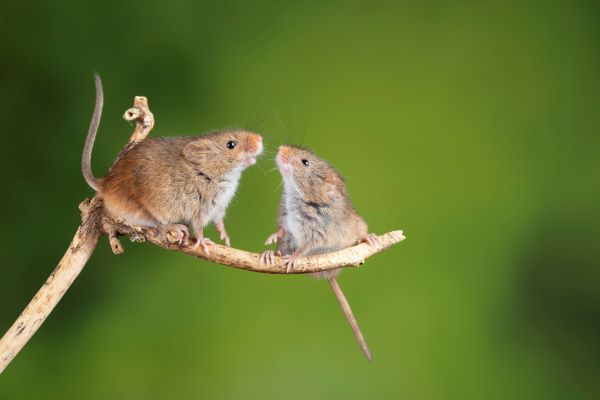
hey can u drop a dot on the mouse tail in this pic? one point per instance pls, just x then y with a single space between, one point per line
86 159
337 290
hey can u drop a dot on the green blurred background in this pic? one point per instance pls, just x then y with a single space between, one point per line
474 127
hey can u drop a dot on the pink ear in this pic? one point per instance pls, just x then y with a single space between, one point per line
197 150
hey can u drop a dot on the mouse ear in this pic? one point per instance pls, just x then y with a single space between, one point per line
197 151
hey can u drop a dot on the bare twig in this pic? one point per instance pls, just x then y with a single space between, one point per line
95 222
144 119
51 292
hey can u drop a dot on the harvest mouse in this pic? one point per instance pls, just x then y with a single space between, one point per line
315 217
173 182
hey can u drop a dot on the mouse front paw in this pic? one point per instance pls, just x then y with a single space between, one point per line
223 233
225 238
274 237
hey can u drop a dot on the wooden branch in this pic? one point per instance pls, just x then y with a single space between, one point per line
350 257
95 222
51 292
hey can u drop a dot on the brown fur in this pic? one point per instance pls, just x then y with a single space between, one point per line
173 182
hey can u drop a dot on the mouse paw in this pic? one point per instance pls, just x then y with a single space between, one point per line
267 257
225 238
289 261
223 233
177 233
204 242
371 239
272 238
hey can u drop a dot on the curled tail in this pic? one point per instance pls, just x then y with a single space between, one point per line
337 290
86 159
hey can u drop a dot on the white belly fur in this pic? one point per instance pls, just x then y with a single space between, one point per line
223 197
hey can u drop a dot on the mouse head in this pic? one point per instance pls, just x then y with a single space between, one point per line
305 171
224 152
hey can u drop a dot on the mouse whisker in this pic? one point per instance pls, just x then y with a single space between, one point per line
278 186
264 173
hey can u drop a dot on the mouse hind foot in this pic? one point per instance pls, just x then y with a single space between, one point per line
371 239
268 257
176 233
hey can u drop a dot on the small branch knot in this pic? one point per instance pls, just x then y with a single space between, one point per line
140 113
132 114
115 244
137 237
84 206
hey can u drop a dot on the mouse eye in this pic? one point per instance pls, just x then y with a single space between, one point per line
305 162
231 144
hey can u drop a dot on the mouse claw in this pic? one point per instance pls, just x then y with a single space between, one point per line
272 238
371 239
204 242
267 257
289 262
289 267
223 233
224 237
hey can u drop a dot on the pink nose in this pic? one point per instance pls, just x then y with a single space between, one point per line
284 153
255 142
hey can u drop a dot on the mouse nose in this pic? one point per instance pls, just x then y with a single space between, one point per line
284 153
255 143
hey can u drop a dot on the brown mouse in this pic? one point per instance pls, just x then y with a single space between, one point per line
173 182
315 217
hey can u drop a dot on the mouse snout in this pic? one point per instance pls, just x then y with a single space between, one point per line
284 161
255 143
284 154
253 148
